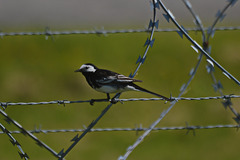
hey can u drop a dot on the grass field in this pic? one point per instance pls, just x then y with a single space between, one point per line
35 69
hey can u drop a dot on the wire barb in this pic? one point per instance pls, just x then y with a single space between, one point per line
4 105
25 132
14 142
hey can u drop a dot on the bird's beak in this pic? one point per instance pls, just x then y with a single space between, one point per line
78 70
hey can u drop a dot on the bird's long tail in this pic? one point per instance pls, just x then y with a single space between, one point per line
138 88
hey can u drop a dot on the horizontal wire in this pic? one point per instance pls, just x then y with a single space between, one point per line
6 104
104 32
126 129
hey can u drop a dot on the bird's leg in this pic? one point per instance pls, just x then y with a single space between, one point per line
108 96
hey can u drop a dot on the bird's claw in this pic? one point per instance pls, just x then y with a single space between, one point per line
171 98
92 102
113 101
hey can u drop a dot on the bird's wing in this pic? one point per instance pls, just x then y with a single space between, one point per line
106 76
122 78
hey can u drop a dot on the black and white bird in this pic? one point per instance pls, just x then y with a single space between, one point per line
111 82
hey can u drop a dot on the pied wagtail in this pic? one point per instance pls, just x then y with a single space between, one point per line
110 82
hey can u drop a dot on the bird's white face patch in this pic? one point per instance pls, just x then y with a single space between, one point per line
87 68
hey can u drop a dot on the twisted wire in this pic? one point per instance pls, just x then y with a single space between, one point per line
64 102
108 32
14 142
45 131
25 132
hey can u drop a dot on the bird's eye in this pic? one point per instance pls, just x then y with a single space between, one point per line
87 67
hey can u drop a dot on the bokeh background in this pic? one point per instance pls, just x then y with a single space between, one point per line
35 69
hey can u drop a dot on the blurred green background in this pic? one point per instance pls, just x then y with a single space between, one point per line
35 69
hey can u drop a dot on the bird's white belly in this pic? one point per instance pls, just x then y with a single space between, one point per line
111 89
107 89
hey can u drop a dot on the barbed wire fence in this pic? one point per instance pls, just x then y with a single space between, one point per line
203 50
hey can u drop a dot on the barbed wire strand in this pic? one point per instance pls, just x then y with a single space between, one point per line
210 68
219 16
217 84
107 32
140 61
182 32
77 138
14 142
25 132
47 131
4 105
197 19
163 114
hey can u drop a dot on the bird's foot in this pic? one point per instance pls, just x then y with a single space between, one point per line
171 98
113 101
92 102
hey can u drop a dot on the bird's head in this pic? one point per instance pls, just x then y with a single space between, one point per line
87 68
